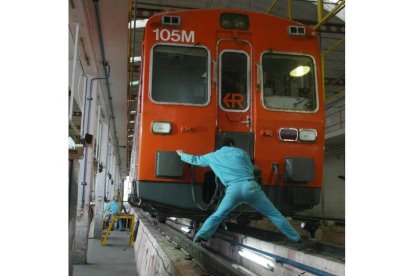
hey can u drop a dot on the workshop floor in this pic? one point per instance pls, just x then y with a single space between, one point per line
115 258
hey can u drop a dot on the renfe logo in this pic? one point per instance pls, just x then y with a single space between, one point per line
174 35
232 100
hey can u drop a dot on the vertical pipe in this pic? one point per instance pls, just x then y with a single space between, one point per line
115 171
320 10
106 68
121 195
109 167
290 9
72 84
107 154
132 65
85 164
98 135
84 106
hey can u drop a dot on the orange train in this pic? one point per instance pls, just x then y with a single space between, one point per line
208 74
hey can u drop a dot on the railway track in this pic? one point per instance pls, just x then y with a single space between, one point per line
213 262
207 261
313 246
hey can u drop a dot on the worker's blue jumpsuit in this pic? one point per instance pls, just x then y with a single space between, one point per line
235 170
113 209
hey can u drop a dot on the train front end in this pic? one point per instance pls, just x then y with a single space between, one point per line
209 74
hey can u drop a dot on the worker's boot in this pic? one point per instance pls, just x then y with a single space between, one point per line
302 244
198 240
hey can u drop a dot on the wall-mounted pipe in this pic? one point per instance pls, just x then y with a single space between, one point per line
106 65
75 54
85 163
131 75
108 153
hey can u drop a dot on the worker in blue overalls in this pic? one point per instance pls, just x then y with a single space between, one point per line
235 170
111 210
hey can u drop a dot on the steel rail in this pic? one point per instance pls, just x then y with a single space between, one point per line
278 259
323 248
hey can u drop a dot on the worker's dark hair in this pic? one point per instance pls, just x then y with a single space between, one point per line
226 142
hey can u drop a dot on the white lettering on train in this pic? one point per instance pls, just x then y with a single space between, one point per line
174 35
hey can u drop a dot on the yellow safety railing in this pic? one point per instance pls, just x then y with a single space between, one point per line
322 19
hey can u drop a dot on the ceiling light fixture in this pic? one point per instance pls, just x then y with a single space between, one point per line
135 59
300 71
139 23
185 229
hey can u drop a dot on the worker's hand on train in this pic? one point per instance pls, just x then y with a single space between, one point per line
180 152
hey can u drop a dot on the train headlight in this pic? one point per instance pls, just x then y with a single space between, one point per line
161 127
288 134
307 135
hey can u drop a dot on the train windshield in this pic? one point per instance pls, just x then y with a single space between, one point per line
180 75
288 82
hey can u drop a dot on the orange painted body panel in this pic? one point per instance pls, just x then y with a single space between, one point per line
194 127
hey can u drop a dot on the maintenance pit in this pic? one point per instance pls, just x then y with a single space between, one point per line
165 249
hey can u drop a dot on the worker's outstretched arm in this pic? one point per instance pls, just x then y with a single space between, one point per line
201 160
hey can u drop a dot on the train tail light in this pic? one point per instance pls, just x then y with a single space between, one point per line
288 134
307 135
161 127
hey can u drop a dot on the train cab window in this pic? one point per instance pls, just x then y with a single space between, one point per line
234 81
288 82
180 75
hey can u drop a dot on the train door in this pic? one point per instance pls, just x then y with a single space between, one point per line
234 101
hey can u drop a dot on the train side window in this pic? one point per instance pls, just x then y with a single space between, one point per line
289 82
180 75
234 81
